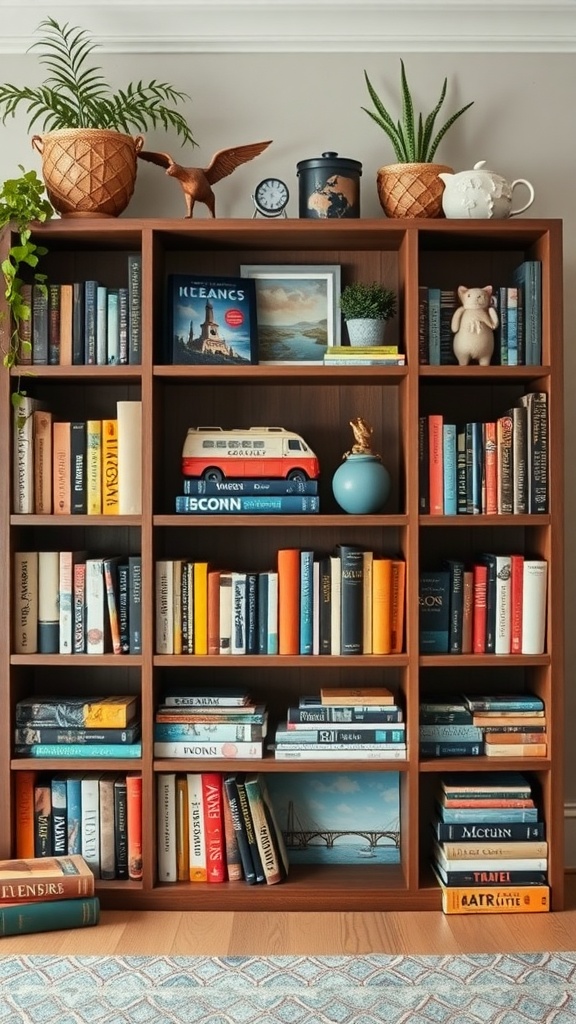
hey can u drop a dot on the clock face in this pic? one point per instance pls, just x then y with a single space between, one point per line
271 196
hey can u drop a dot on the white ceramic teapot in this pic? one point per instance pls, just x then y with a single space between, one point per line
481 194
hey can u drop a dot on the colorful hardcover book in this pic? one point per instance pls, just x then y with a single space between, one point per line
40 327
423 466
450 480
528 278
269 838
121 826
110 485
434 612
234 870
519 416
288 601
42 448
124 606
106 812
48 602
504 702
479 816
306 602
94 467
134 825
97 618
257 504
23 455
80 750
512 332
122 326
346 715
231 796
82 712
25 328
78 488
180 732
112 327
352 599
182 830
78 314
382 606
215 841
436 464
73 814
24 785
249 749
250 486
129 419
29 734
505 474
25 602
534 591
42 818
537 450
244 807
166 826
110 570
495 900
455 569
61 465
393 752
90 294
196 837
135 603
212 321
59 844
53 915
490 503
393 734
101 325
90 821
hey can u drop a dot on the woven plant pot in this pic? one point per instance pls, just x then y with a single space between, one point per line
411 190
88 172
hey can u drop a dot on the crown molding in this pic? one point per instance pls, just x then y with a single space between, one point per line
307 26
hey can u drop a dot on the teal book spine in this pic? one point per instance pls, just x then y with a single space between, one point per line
89 750
49 916
306 601
257 504
450 471
434 326
73 815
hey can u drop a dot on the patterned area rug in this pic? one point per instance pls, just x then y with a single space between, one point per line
536 988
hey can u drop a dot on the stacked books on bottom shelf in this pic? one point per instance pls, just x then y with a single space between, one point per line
215 722
42 895
343 725
489 851
217 828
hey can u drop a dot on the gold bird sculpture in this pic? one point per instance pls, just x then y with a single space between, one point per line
196 182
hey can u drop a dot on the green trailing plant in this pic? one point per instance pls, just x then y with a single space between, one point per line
76 95
412 143
367 301
22 201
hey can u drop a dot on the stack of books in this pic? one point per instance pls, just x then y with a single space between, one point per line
217 828
46 894
86 727
364 724
499 725
364 355
209 722
248 496
489 851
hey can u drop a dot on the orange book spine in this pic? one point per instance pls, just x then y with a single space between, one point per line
66 295
200 607
480 580
42 434
495 900
382 606
516 750
516 596
110 499
61 457
491 468
214 611
289 601
24 804
134 825
513 737
436 464
398 589
488 802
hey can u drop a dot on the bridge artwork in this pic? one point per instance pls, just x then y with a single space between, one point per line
300 837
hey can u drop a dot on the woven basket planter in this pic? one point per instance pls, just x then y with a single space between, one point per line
88 172
411 190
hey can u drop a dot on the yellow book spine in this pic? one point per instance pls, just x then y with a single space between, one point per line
110 499
526 899
200 607
381 606
94 466
182 830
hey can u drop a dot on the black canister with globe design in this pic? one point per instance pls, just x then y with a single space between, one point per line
329 186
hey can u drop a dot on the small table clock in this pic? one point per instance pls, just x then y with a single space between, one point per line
270 198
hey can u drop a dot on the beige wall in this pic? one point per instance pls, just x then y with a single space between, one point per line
522 124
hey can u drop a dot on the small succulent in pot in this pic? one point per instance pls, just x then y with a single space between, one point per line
360 301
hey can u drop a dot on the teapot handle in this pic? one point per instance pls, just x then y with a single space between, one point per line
522 181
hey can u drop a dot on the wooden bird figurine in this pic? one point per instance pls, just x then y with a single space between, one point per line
196 182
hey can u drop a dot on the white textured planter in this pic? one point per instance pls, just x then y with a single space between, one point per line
366 332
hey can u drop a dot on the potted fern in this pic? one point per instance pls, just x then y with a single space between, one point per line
366 308
88 154
411 187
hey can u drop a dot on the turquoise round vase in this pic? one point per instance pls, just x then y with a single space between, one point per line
361 484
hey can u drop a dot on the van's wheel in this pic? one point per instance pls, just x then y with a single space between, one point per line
214 474
297 474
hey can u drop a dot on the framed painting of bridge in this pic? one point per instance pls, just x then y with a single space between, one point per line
338 817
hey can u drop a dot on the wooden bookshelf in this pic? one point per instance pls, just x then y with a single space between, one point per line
318 403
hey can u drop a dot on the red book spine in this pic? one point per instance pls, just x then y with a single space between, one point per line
134 825
289 601
516 588
214 826
480 579
436 468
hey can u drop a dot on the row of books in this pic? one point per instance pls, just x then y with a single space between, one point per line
518 336
83 467
40 894
489 852
371 727
216 828
84 322
211 722
359 355
96 815
500 725
496 606
66 602
496 467
349 602
81 727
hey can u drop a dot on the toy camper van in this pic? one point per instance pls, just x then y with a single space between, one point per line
213 453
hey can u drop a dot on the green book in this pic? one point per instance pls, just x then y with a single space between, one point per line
49 916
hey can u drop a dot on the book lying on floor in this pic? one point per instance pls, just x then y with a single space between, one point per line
25 880
54 915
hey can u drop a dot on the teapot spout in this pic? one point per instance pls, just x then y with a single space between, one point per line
445 177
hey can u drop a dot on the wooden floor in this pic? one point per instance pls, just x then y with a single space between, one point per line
237 934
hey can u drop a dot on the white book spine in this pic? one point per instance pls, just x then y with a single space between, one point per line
196 831
48 601
129 416
166 807
96 610
316 607
503 633
509 864
225 611
343 755
534 591
164 607
90 803
238 643
25 602
23 463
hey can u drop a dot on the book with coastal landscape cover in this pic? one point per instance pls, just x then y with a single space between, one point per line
211 320
338 817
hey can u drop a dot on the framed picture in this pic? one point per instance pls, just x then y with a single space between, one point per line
297 310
